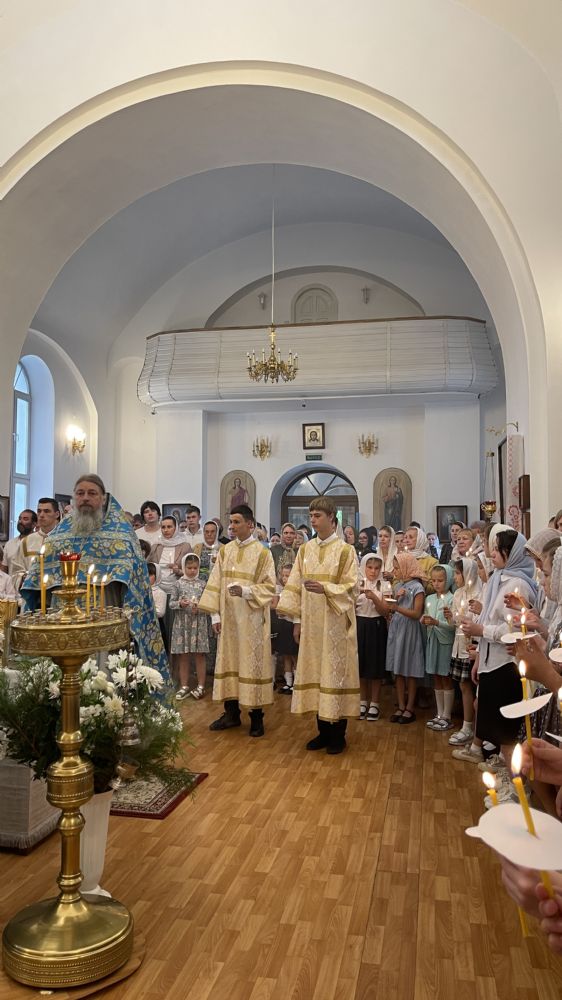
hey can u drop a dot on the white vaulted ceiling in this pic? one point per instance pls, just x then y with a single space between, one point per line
118 268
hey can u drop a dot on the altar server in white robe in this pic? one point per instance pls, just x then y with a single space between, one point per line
320 599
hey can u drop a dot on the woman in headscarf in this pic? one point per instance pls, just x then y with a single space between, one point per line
367 541
208 549
469 588
404 651
497 676
417 544
387 550
167 555
350 536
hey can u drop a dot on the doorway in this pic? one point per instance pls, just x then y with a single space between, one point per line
306 486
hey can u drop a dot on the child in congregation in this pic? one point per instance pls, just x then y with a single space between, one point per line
190 630
469 590
370 611
283 643
440 635
404 650
159 597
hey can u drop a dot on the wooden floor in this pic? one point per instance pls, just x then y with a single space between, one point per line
296 876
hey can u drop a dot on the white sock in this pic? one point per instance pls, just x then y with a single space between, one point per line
475 749
467 727
288 675
448 699
440 702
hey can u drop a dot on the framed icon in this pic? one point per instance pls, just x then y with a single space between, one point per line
313 436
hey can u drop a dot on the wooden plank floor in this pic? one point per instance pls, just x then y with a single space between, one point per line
296 876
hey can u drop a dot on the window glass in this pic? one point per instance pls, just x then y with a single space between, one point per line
20 381
22 437
21 499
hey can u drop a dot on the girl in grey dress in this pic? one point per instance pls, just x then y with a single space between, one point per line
190 630
404 651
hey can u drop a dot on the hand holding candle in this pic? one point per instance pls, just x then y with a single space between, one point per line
490 783
518 785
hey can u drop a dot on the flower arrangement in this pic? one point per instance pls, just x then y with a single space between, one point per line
30 709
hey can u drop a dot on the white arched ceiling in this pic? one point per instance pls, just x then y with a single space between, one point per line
109 164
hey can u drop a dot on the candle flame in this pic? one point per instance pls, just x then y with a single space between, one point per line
522 669
523 618
560 694
45 578
42 550
95 580
91 569
509 618
516 760
489 780
104 578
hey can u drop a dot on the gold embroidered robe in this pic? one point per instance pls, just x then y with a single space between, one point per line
244 664
327 677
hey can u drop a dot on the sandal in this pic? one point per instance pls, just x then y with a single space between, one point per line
373 713
198 692
183 693
363 710
397 715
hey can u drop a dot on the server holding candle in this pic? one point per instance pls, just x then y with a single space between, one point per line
494 669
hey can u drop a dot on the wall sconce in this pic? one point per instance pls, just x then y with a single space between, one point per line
262 299
498 433
366 293
76 439
368 445
261 448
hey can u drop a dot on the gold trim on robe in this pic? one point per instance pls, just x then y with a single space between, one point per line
327 676
244 663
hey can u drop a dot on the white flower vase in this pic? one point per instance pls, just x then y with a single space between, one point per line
93 842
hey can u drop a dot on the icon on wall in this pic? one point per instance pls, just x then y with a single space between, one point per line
236 487
392 499
313 436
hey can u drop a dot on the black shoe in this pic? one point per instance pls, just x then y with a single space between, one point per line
256 722
319 742
226 721
336 737
405 720
286 689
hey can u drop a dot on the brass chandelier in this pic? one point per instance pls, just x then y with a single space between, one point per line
272 368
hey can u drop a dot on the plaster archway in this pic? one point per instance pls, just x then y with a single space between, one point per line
289 476
288 111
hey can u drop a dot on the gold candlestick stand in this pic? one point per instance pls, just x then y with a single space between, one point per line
68 940
8 611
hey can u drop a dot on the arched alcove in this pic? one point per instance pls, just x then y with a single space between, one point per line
314 304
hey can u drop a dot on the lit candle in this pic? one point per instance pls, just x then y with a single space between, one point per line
102 592
44 581
523 625
516 592
560 699
510 622
94 581
490 782
41 562
518 785
91 568
525 686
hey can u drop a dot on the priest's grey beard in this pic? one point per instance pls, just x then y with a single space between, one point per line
85 521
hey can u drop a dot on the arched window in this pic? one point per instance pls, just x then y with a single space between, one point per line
21 450
303 489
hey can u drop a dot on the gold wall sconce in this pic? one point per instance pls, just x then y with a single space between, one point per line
368 445
261 448
76 439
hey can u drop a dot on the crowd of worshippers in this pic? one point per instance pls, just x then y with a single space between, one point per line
335 616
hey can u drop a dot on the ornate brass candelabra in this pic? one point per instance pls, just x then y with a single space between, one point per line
68 940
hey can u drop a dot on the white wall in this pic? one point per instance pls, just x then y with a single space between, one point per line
384 301
437 444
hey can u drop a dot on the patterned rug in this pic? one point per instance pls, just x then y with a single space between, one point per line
151 799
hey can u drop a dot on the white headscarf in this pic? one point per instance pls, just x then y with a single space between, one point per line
190 555
178 538
387 561
422 544
363 566
495 531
